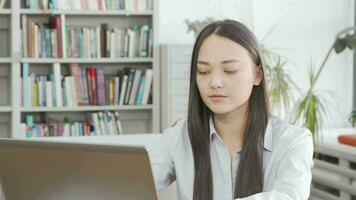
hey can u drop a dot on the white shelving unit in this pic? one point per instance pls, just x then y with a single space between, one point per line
142 119
89 12
5 71
87 60
85 108
5 109
5 11
175 75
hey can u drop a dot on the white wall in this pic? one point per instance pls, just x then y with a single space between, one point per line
305 31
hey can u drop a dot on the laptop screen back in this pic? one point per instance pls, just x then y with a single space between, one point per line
50 170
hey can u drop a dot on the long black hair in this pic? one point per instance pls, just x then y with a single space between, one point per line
250 171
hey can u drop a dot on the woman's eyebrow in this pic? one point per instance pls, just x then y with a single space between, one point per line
222 62
230 61
202 62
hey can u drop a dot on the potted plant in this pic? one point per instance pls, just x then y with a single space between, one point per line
310 109
197 25
280 84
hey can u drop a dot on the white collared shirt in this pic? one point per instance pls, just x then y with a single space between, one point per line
287 162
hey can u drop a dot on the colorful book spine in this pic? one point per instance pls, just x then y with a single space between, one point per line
25 78
141 90
101 86
57 83
148 83
29 124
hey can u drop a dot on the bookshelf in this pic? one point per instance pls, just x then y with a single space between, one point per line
5 71
5 107
134 118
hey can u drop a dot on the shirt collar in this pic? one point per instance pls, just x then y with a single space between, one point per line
268 134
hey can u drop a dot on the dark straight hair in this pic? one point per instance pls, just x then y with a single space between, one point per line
249 179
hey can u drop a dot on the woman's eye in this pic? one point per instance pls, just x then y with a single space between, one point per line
231 72
202 73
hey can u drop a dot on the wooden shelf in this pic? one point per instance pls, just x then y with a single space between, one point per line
87 12
5 60
5 11
5 109
86 108
87 60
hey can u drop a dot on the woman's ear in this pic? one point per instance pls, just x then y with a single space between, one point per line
258 75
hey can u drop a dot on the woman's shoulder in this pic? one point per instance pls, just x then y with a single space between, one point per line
178 127
286 134
177 132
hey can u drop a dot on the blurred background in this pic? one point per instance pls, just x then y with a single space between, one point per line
118 71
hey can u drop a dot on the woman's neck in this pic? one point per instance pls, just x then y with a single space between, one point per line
230 126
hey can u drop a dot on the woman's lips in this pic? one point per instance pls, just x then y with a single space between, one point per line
217 98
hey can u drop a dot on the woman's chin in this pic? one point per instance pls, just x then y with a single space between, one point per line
220 109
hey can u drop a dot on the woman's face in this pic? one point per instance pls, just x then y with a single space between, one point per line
225 75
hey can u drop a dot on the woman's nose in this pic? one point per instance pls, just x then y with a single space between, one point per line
216 82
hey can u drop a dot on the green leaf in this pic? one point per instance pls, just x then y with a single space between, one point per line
350 41
340 45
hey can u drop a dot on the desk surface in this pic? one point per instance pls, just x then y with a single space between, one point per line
130 139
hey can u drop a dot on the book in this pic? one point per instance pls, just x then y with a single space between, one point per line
94 85
57 25
141 90
29 125
118 123
75 72
110 123
84 82
148 83
73 90
57 82
94 5
95 122
31 86
83 86
123 89
131 73
26 88
68 90
144 40
101 86
135 85
116 90
41 39
24 34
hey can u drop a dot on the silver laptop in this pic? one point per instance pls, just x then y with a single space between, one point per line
43 170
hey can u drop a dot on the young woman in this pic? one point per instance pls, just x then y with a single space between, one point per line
230 147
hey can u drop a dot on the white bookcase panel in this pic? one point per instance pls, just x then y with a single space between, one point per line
139 119
175 65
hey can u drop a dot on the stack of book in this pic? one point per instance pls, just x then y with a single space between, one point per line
100 123
45 40
89 4
86 86
102 41
42 40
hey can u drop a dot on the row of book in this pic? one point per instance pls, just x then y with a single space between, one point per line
100 123
42 40
102 41
140 5
86 86
45 40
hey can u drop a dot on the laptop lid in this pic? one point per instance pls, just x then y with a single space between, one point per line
46 170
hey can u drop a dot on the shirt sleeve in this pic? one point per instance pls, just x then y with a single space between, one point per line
293 173
160 154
